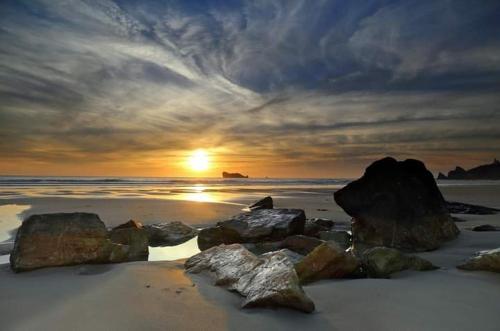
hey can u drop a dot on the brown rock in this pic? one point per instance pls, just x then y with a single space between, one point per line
301 244
134 235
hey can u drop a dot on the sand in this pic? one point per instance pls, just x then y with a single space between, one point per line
116 297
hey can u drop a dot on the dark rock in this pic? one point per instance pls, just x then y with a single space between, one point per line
268 281
266 203
441 176
263 247
134 235
341 237
485 227
51 240
255 226
169 234
488 171
314 226
381 262
485 260
328 260
397 204
301 244
465 208
292 256
233 175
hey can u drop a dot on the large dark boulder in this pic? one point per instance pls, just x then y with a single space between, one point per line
51 240
169 234
397 204
134 235
255 226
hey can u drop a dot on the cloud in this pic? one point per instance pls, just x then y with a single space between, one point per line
300 83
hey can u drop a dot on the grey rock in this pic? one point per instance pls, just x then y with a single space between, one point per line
341 237
397 204
263 247
485 260
134 235
169 234
255 226
292 256
314 226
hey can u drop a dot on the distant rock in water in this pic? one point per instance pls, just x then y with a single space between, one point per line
397 204
232 175
487 171
465 208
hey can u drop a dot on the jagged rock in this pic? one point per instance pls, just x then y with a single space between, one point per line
134 235
328 260
292 256
485 260
255 226
341 237
6 248
263 247
441 176
397 204
169 234
465 208
301 244
485 227
381 262
267 281
273 283
51 240
487 171
266 203
314 226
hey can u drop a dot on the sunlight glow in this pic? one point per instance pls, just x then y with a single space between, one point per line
199 160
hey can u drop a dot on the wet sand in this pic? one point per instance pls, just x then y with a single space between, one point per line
116 297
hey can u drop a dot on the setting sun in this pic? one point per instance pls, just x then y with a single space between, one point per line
199 160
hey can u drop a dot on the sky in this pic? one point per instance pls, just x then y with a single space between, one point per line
267 88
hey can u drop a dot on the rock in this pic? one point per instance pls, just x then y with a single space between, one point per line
274 283
465 208
341 237
232 175
267 281
51 240
6 248
169 234
397 204
255 226
485 227
314 226
441 176
301 244
381 262
227 262
328 260
487 171
292 256
134 235
263 247
485 260
266 203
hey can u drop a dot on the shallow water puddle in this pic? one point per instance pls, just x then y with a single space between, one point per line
170 253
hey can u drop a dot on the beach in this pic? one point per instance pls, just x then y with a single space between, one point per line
159 295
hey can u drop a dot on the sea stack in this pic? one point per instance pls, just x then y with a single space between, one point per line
397 204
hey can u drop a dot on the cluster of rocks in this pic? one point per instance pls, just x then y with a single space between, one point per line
62 239
485 171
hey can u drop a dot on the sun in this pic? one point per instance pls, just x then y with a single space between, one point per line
198 160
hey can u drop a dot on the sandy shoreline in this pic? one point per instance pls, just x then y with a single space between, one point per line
116 297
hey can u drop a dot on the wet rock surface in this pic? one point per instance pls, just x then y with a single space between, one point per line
485 261
266 203
134 235
328 260
381 262
50 240
397 204
301 244
314 226
169 233
255 226
266 281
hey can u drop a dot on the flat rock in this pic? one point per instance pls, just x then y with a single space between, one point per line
266 203
169 233
485 227
465 208
381 262
485 260
328 260
255 226
50 240
314 226
341 237
397 204
266 281
134 235
301 244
